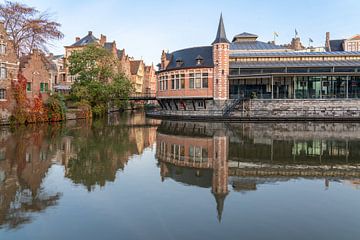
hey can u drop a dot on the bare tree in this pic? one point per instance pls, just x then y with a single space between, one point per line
28 28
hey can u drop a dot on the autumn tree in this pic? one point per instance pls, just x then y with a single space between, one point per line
98 79
28 28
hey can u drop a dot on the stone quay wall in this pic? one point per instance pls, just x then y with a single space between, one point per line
299 108
271 110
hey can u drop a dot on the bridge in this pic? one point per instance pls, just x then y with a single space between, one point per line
140 97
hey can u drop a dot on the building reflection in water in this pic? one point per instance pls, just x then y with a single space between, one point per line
246 155
91 153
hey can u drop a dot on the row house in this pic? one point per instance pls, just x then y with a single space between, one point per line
141 76
137 68
39 73
149 80
9 65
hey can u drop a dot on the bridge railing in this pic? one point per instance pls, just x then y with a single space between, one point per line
141 96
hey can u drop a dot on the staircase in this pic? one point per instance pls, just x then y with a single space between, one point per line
230 107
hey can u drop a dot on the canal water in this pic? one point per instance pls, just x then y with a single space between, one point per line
128 177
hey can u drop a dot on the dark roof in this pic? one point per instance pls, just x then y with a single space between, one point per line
134 66
244 35
344 63
336 45
120 53
189 55
253 45
221 34
88 39
292 53
108 45
190 176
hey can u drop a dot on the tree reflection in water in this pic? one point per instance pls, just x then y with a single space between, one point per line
90 151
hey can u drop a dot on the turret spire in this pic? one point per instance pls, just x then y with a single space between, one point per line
221 34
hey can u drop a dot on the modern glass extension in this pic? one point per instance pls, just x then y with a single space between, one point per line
321 83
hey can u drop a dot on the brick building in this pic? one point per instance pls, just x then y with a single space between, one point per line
211 78
149 80
195 154
351 44
9 65
137 69
133 69
39 74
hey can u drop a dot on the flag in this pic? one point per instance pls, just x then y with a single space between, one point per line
296 32
276 34
310 40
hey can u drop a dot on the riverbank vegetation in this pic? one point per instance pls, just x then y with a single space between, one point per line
99 80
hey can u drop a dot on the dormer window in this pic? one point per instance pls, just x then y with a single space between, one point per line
179 62
199 60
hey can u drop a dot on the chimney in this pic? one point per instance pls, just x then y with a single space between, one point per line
327 42
102 39
77 39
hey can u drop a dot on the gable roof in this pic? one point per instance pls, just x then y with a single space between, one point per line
108 45
244 35
355 37
24 60
336 45
134 66
88 39
120 53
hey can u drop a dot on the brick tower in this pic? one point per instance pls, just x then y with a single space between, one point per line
221 47
220 172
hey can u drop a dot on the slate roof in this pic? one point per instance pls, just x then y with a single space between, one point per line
188 175
293 53
253 45
245 35
120 53
336 45
108 45
189 55
345 63
88 39
221 34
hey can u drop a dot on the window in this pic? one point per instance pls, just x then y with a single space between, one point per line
178 81
28 86
182 81
205 83
2 94
2 48
42 87
198 80
191 80
46 87
2 71
172 81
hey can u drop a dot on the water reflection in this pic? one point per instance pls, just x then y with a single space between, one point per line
225 160
91 153
244 156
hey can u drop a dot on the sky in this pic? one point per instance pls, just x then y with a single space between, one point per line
145 28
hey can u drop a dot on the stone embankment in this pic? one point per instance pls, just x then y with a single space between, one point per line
274 110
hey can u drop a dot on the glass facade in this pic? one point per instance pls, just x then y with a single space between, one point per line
296 87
